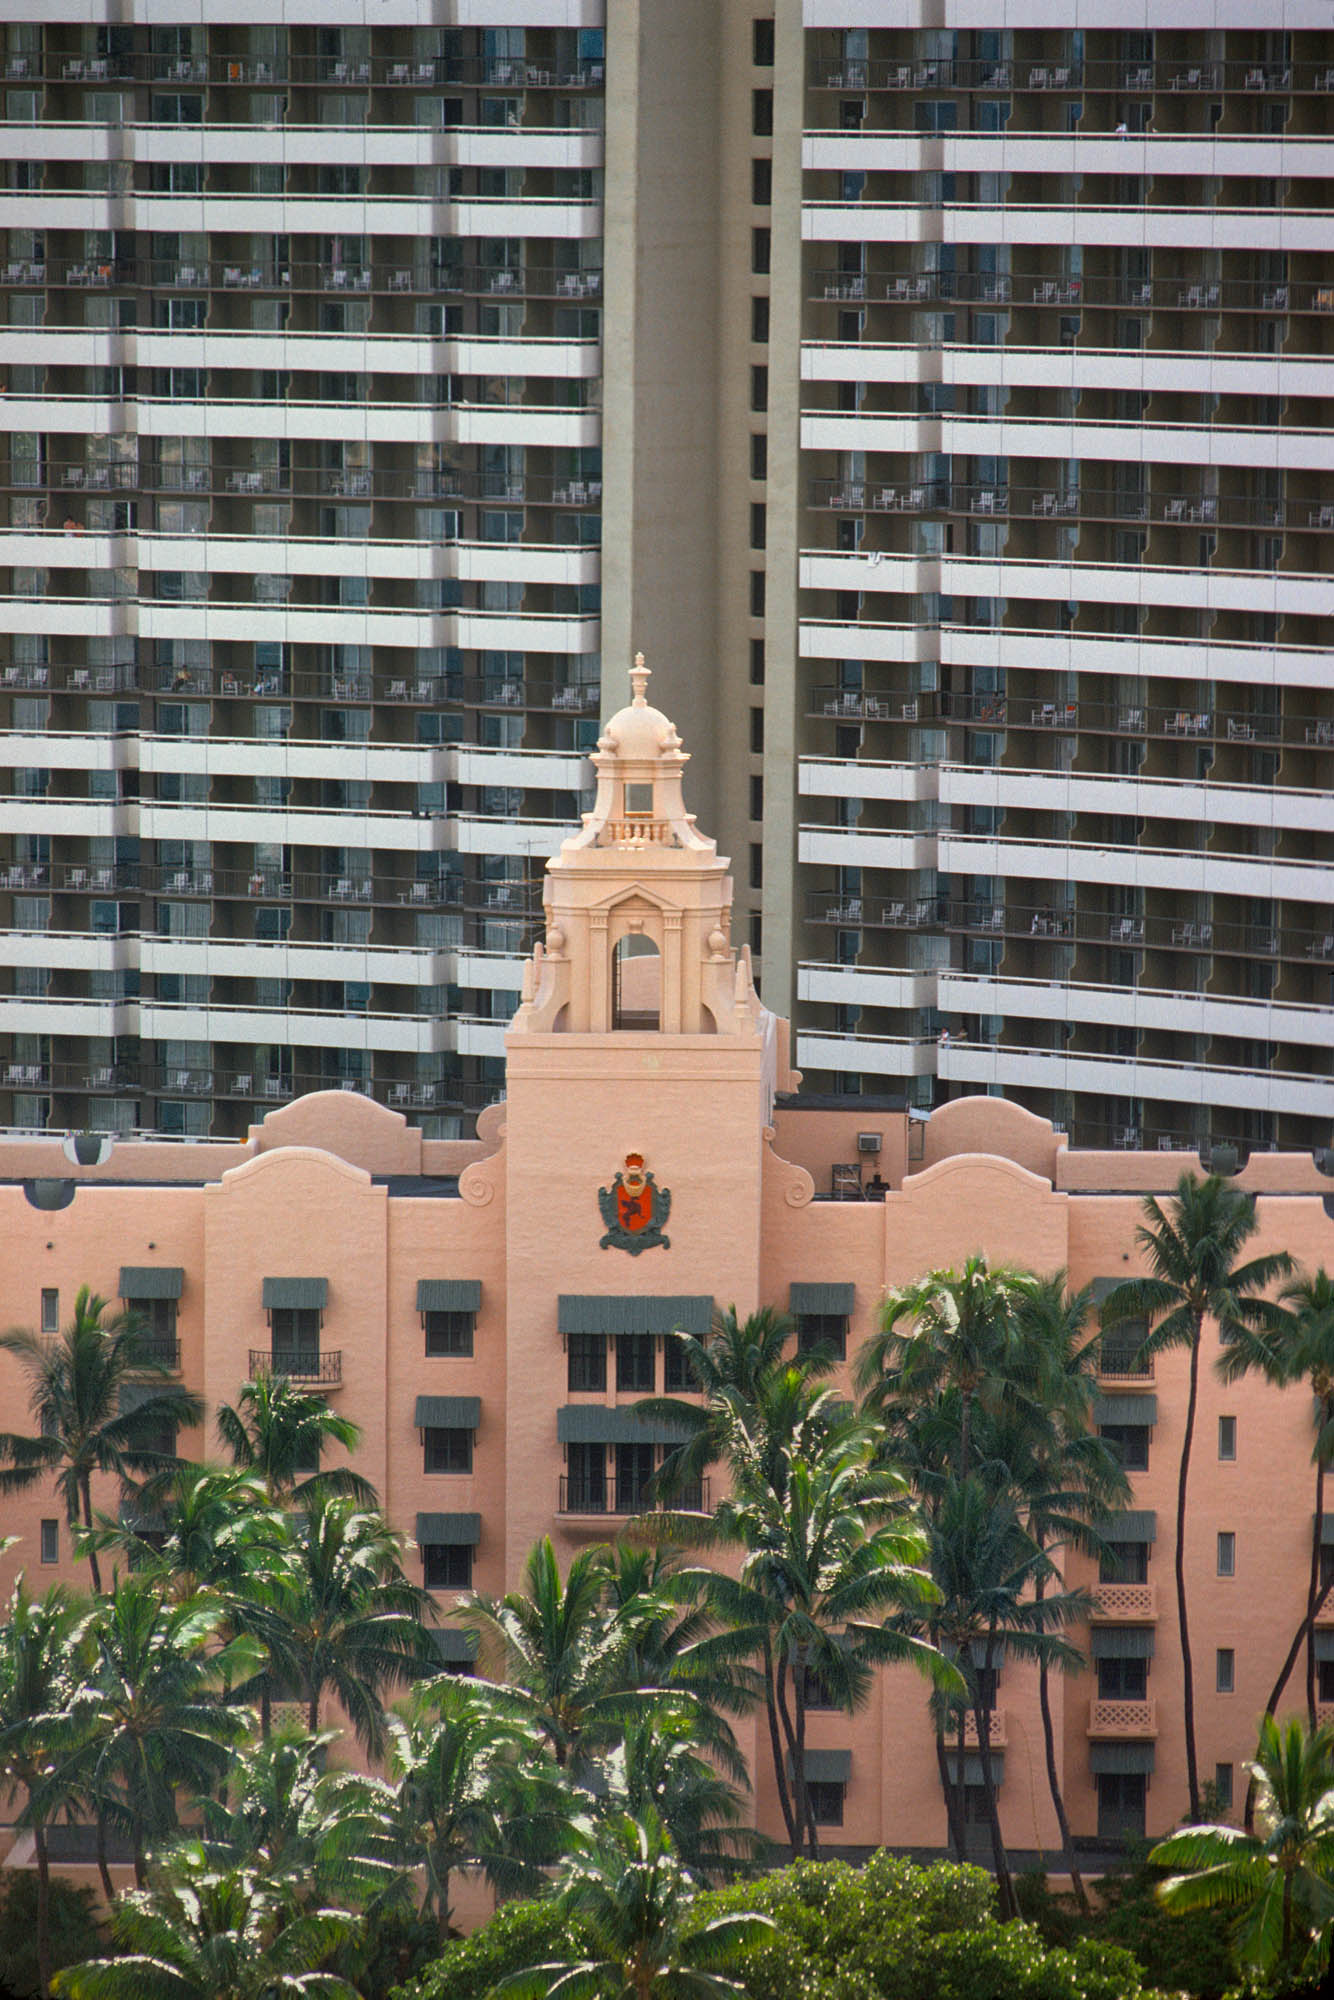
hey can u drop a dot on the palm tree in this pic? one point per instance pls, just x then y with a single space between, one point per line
1067 1477
734 1367
1278 1882
470 1792
1300 1349
657 1764
349 1622
75 1390
38 1658
278 1429
956 1330
565 1651
323 1836
146 1719
1192 1245
986 1568
831 1576
209 1934
633 1897
673 1643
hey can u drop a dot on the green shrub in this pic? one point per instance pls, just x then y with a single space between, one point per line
1188 1952
519 1934
75 1932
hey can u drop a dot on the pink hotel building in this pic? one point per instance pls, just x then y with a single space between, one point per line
489 1310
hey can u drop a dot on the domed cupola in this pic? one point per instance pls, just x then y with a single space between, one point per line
638 903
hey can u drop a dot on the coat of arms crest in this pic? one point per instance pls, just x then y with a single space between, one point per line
634 1209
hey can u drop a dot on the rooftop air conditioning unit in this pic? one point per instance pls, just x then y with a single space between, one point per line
868 1142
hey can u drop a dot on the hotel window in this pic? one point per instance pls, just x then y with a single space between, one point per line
447 1450
634 1363
1223 1786
50 1541
1225 1662
826 1330
825 1798
586 1479
1130 1443
449 1309
447 1565
50 1310
1227 1554
1124 1562
1227 1437
587 1362
1122 1797
1123 1680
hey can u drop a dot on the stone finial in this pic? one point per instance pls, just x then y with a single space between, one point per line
639 674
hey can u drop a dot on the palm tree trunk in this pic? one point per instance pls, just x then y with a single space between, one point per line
776 1747
798 1827
43 1907
313 1711
1053 1773
1004 1886
1276 1692
1183 1616
811 1831
1313 1583
86 1503
960 1786
953 1828
108 1886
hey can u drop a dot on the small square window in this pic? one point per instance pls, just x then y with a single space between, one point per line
1223 1786
826 1330
447 1450
50 1541
447 1565
639 799
1225 1662
50 1311
449 1332
1124 1562
825 1797
1130 1442
1227 1437
1227 1554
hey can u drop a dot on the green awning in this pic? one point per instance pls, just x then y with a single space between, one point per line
834 1300
830 1767
449 1295
972 1766
1124 1409
1120 1759
1137 1524
448 1413
452 1645
449 1528
151 1281
295 1294
595 1423
133 1395
612 1312
1121 1642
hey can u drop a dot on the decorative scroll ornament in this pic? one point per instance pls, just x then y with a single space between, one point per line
635 1209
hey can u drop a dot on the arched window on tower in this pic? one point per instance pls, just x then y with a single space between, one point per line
636 991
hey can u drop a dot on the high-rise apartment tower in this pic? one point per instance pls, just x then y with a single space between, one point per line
943 392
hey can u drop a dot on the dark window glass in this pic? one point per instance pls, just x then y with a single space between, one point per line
759 387
760 252
50 1541
757 593
828 1330
449 1332
296 1334
757 663
1124 1562
1326 1566
1324 1674
756 866
986 1682
1123 1680
762 51
1227 1437
762 113
587 1358
448 1451
757 798
634 1470
586 1480
447 1565
759 331
825 1797
1130 1442
1121 1802
634 1363
761 187
816 1690
676 1375
759 525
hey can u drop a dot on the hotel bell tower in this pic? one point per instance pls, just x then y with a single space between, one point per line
638 905
642 1070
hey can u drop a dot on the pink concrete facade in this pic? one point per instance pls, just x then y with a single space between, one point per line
506 1233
